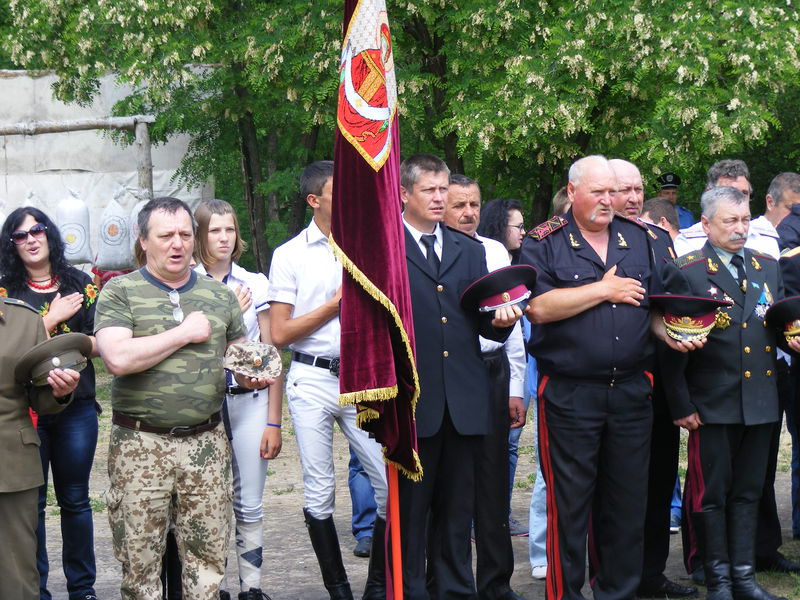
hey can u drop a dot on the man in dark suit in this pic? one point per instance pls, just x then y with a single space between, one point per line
453 408
725 394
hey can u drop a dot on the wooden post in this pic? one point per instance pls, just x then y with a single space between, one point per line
144 160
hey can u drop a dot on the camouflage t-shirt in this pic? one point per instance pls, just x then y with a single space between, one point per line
187 387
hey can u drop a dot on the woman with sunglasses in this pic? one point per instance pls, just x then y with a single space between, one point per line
35 270
254 417
502 220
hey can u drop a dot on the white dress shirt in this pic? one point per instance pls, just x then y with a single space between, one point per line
417 235
259 288
305 273
497 258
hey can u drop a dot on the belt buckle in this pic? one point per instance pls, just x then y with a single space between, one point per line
334 367
181 431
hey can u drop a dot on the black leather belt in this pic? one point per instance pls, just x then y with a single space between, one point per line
177 431
235 390
331 364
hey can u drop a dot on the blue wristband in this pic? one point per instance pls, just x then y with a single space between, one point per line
278 425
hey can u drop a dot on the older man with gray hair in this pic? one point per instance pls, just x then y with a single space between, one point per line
725 394
595 273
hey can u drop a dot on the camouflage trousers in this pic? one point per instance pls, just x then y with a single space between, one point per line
157 477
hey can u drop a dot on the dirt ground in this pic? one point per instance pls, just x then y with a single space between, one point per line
290 567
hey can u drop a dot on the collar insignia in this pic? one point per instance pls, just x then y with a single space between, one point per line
573 242
652 235
712 266
621 241
755 263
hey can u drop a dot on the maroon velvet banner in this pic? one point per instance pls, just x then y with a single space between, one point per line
377 368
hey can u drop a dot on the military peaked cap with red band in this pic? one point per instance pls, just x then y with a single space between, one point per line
503 287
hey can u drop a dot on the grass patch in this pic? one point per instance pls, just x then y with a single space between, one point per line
282 491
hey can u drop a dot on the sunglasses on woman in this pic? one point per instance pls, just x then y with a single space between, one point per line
37 232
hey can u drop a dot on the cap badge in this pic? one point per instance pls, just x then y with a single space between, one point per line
257 362
506 297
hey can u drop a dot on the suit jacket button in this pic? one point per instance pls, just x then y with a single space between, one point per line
747 374
747 349
769 373
744 325
445 354
444 319
439 288
768 349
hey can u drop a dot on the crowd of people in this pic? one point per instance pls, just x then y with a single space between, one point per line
590 358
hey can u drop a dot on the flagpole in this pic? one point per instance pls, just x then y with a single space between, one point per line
394 509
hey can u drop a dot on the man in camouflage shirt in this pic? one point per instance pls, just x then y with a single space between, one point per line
162 331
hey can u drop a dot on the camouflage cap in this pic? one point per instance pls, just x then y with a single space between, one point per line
66 351
253 359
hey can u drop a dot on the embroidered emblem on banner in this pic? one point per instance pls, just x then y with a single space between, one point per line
367 88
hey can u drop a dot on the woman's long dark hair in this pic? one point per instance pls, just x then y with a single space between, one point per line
14 275
494 218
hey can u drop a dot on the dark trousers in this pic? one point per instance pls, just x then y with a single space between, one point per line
495 563
664 448
436 514
594 443
18 575
68 444
729 463
768 532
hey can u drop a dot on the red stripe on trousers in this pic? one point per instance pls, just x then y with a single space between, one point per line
694 490
555 575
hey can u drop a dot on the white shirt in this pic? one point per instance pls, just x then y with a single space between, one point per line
417 235
305 273
761 237
497 258
259 287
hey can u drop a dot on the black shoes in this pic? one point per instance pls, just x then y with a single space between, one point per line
667 589
363 547
777 563
253 594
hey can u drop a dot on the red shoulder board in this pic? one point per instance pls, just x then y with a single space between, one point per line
542 230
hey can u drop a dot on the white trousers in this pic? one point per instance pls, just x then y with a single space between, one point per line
313 397
247 414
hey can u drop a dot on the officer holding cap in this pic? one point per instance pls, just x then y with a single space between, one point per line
725 394
22 328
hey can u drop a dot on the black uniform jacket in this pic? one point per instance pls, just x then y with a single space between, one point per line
608 342
732 378
451 371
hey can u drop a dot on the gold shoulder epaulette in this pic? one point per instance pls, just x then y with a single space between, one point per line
16 302
689 259
790 252
542 230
